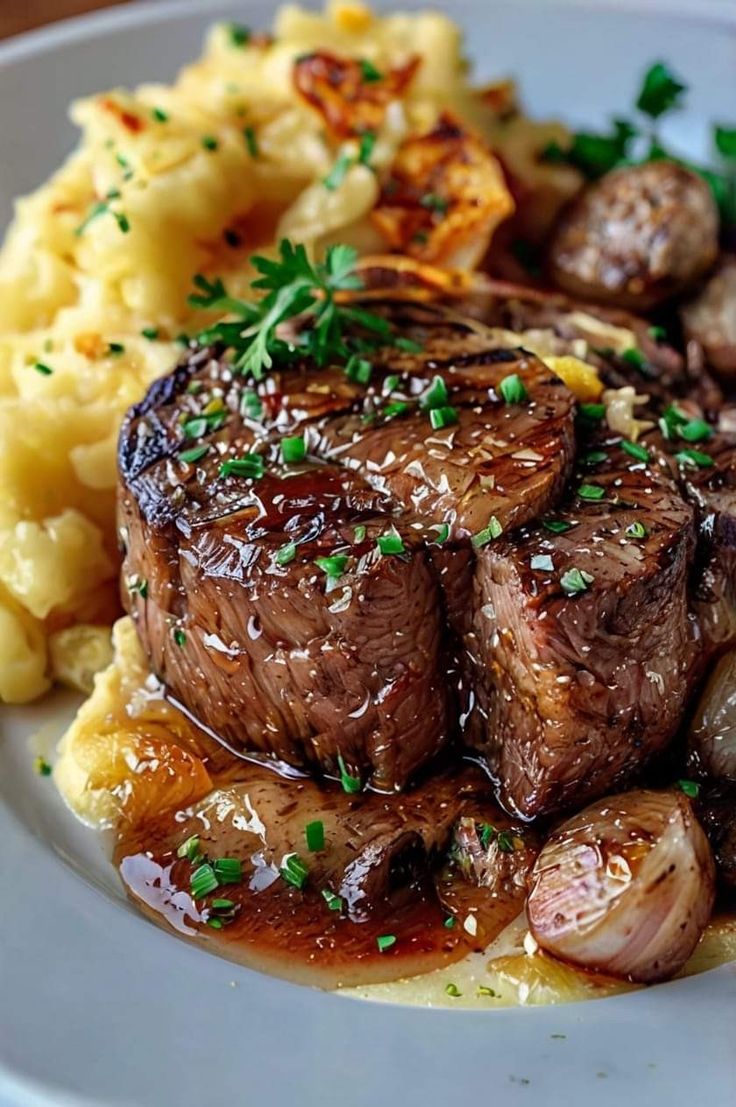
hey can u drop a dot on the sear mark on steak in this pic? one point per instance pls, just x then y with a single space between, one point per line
248 632
575 692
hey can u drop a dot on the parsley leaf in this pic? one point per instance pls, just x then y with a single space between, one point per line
660 92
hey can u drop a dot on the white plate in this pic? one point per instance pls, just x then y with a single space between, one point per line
98 1006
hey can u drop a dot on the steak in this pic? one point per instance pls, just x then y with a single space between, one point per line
300 613
581 647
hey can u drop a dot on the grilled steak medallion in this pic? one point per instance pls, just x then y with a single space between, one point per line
581 645
299 612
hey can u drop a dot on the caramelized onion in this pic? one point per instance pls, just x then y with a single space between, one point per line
625 887
713 732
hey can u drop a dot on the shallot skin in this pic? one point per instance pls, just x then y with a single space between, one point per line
625 887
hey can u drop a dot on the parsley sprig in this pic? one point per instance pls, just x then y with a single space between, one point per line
295 288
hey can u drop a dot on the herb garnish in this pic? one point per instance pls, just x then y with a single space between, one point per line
102 207
449 922
151 333
385 941
575 581
333 902
252 466
690 787
43 369
190 849
636 530
293 449
314 834
694 458
251 142
286 553
483 537
641 453
333 567
512 389
441 417
337 174
591 492
179 636
41 766
390 543
294 871
203 881
453 990
195 454
349 783
209 142
238 34
369 72
556 526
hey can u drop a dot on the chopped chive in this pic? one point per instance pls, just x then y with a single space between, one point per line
390 384
409 345
336 176
483 537
390 544
484 990
228 870
286 553
591 492
385 941
449 922
595 457
160 115
641 453
636 530
432 201
238 34
294 871
209 142
195 454
183 339
139 585
369 72
115 348
151 333
349 782
203 881
251 142
359 533
486 834
125 166
556 526
41 766
179 636
43 369
214 922
635 357
252 465
315 835
222 904
190 849
333 902
512 389
367 142
575 581
505 841
694 458
358 369
690 787
397 407
443 533
453 990
435 396
592 412
659 334
293 449
697 430
250 405
441 417
542 563
195 428
333 566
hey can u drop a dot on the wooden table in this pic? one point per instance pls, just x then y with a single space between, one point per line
22 15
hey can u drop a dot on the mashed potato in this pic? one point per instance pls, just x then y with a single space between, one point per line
168 181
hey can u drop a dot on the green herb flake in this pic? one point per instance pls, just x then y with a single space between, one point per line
449 922
443 533
441 417
505 841
160 115
115 349
43 369
659 334
333 902
542 563
179 636
484 990
390 544
452 990
591 492
359 533
694 458
190 849
228 870
635 357
365 148
690 787
209 142
592 413
194 428
151 333
337 174
593 458
251 142
293 449
725 141
203 881
696 430
314 834
385 941
358 369
556 526
294 871
286 553
432 201
368 71
408 344
333 567
41 766
634 449
660 92
435 396
575 581
251 466
195 454
636 530
350 784
512 389
392 410
250 405
238 34
215 923
483 537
